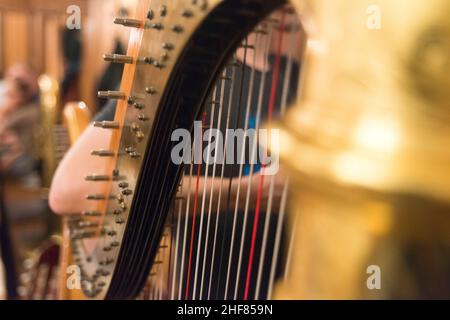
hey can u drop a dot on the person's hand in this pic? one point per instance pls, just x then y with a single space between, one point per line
270 189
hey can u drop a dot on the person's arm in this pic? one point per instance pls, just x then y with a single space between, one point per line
69 188
188 189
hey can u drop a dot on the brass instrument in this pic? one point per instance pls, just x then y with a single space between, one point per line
367 148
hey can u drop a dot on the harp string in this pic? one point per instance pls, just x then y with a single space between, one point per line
186 221
234 66
284 101
264 241
211 196
233 232
244 223
190 275
276 250
202 212
176 244
160 266
258 114
227 125
272 101
191 245
171 248
290 248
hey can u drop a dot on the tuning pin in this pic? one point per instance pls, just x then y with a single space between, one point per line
106 262
102 153
91 213
104 273
111 233
187 13
150 90
117 58
120 221
134 23
86 224
111 94
142 117
97 177
150 14
164 56
162 10
134 155
135 127
157 26
83 235
139 135
95 197
148 60
106 124
115 244
120 198
127 192
158 64
167 46
177 28
123 185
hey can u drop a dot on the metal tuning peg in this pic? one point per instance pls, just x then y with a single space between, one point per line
127 22
102 153
111 94
106 124
117 58
97 177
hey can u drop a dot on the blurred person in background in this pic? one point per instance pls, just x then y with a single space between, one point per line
19 121
19 124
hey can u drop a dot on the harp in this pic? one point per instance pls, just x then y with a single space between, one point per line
164 230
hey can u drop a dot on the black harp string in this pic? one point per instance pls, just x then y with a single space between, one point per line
165 250
177 239
186 223
171 248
